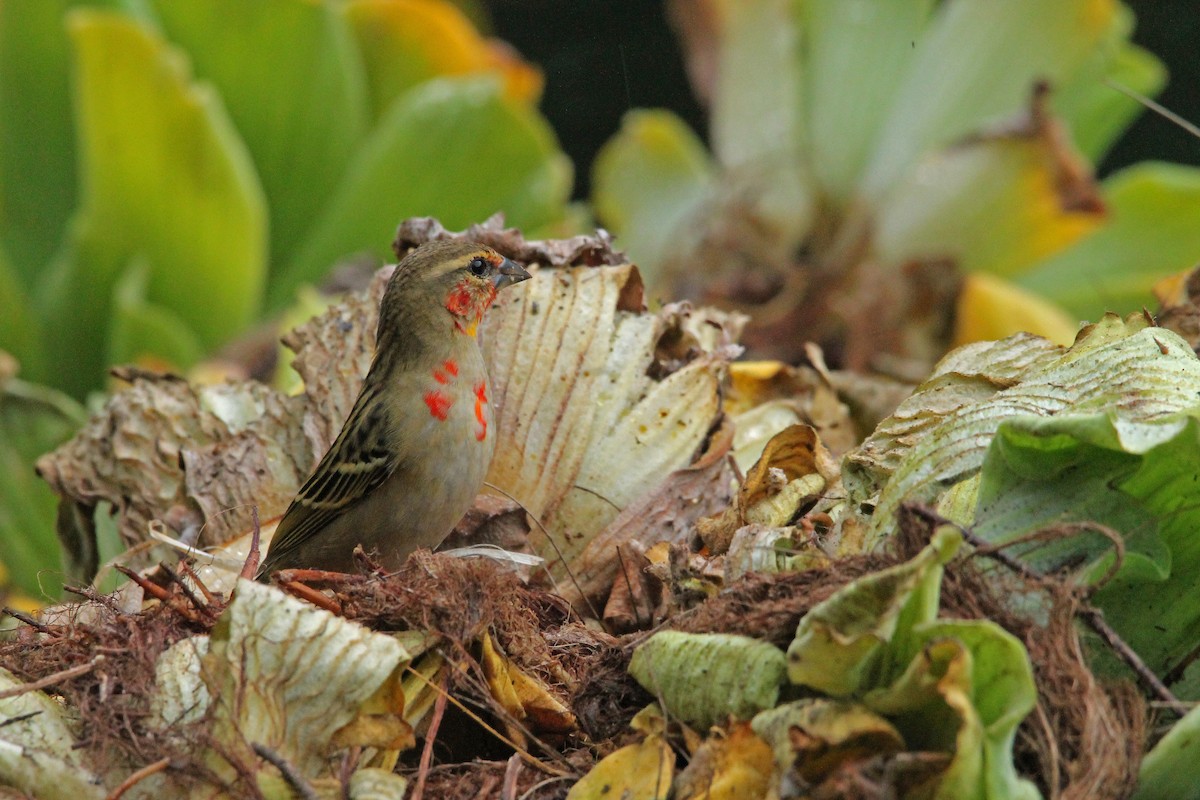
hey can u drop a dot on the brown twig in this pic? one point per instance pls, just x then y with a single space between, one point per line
187 570
28 620
137 777
1094 618
53 678
305 592
509 790
290 776
317 576
439 711
186 590
148 586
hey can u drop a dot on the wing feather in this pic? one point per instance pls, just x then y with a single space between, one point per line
355 465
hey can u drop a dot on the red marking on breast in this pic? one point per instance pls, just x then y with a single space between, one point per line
440 376
439 404
480 408
451 366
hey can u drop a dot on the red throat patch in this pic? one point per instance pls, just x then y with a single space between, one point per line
467 302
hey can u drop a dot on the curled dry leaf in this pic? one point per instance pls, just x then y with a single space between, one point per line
578 251
795 468
164 449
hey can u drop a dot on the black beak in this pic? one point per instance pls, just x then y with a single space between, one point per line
508 273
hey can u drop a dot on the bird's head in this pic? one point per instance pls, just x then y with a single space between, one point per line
455 277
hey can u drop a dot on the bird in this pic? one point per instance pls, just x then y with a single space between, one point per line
416 446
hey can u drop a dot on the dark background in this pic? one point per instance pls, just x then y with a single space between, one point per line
604 57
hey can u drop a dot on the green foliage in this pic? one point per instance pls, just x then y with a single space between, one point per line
33 419
170 170
1138 479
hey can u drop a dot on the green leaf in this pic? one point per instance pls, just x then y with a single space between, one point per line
757 108
166 179
966 689
407 42
991 204
703 678
1066 468
453 149
647 180
857 53
844 643
20 330
1137 478
37 149
142 331
289 75
1096 113
33 420
975 62
1171 771
1154 232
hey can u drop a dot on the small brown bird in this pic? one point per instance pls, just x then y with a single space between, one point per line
416 446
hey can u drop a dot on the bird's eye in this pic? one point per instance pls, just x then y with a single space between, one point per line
478 266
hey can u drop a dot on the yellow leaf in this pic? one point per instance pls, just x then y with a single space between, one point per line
406 42
642 771
523 695
999 201
991 308
728 765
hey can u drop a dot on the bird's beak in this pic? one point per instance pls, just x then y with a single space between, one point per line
510 272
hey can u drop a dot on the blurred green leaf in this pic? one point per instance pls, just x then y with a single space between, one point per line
37 151
33 420
647 179
1095 113
857 54
1154 232
757 102
290 78
407 42
977 61
20 330
1171 770
142 331
989 204
451 148
167 180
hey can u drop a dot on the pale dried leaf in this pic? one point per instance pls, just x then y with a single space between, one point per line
289 676
37 747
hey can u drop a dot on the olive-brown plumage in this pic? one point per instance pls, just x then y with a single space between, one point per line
415 447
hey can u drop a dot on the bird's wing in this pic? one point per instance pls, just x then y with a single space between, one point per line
355 465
